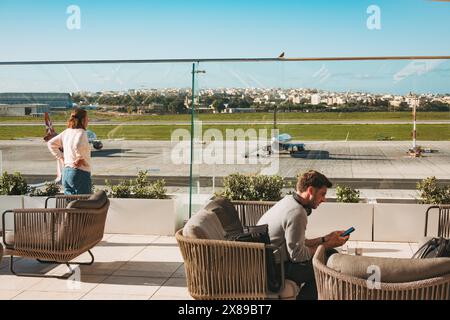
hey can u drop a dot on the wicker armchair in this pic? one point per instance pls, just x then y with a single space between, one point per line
220 269
223 269
55 235
443 220
62 200
333 285
251 211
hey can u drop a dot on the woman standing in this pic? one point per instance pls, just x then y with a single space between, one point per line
76 154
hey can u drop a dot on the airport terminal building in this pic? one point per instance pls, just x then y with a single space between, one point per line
33 103
14 110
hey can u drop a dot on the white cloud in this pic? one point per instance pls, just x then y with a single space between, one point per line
417 67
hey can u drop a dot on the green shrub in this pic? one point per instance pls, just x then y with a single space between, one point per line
252 187
142 179
431 193
50 189
139 188
347 194
13 184
121 190
266 188
236 186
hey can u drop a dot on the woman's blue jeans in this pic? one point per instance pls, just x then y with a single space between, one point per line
76 181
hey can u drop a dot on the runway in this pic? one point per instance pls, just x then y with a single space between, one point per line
382 164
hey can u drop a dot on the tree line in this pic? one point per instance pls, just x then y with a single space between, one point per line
180 103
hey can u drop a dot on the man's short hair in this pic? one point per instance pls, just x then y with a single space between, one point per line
314 179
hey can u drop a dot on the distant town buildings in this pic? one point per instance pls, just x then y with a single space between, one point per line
217 100
413 101
331 101
315 99
232 100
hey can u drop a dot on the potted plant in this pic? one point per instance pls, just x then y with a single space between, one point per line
139 206
431 193
37 196
12 188
238 186
50 189
347 194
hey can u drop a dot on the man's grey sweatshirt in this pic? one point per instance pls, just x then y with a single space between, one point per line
287 221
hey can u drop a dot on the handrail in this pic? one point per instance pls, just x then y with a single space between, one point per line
46 201
4 226
426 218
199 60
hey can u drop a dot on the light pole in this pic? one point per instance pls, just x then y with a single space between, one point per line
191 179
414 146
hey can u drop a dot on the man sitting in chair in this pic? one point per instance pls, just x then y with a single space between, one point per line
287 222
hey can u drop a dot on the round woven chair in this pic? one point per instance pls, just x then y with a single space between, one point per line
333 285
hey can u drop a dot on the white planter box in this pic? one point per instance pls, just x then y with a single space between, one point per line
330 217
142 216
198 202
390 222
402 222
9 203
37 202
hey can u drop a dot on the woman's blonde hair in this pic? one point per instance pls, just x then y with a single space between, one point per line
76 120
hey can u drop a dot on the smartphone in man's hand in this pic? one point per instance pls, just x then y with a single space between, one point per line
346 233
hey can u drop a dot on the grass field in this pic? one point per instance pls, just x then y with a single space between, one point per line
249 117
298 132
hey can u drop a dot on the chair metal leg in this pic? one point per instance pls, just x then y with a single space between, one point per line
39 275
78 263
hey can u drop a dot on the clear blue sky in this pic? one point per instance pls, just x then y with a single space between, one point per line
133 29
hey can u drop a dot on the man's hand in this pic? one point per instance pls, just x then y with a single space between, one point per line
334 239
80 162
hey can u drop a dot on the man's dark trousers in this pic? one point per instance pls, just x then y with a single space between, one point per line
303 272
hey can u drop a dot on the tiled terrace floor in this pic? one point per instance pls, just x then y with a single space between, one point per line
131 267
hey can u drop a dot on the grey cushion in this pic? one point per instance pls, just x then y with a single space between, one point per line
227 214
204 225
393 270
95 201
47 236
9 238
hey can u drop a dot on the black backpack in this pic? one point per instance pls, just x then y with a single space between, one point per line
434 248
